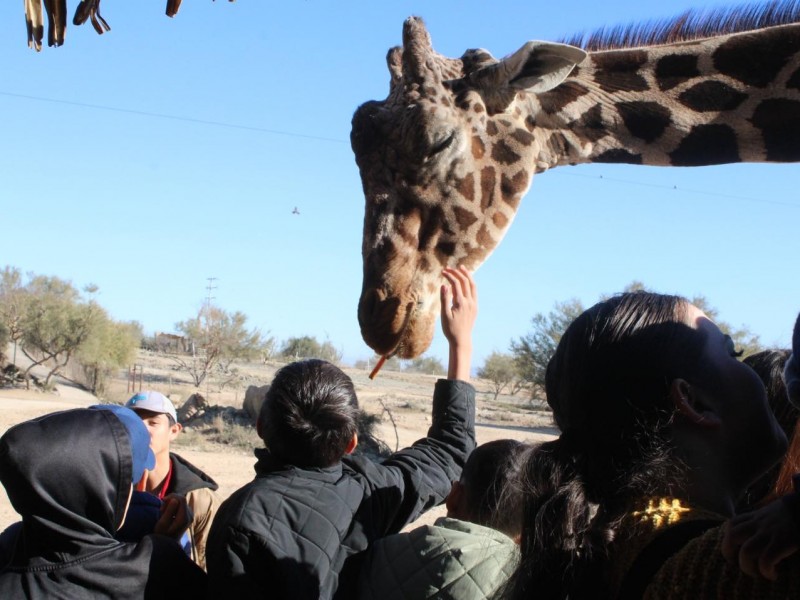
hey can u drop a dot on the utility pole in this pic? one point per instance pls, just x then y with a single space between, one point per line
209 288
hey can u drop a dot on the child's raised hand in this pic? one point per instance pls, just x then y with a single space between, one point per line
459 304
459 309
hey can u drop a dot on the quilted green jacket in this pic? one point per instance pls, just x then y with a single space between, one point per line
449 559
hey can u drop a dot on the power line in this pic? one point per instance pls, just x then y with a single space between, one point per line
143 113
677 189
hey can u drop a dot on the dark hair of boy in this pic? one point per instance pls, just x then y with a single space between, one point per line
309 416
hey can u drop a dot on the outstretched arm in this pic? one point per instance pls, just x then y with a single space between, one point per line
459 300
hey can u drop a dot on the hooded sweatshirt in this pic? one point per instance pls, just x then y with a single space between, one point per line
69 475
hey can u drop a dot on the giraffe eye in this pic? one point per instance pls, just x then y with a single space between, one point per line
439 147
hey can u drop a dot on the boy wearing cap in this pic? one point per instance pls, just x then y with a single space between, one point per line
70 475
172 473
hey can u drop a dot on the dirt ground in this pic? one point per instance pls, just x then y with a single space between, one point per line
405 396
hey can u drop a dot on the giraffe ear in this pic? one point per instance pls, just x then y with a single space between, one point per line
536 67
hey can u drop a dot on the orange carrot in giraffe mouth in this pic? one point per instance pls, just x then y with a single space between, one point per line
377 368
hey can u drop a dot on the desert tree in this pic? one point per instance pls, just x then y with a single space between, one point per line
109 346
430 365
218 339
56 322
307 346
500 369
532 351
13 298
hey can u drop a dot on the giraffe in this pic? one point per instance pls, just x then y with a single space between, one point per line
446 158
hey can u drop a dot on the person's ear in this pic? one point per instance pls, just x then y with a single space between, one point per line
174 430
455 502
691 403
351 445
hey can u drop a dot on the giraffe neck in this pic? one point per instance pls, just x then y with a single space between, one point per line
727 99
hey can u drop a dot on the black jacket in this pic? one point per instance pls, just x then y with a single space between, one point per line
69 475
299 533
188 478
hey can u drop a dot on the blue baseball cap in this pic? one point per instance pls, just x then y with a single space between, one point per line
143 457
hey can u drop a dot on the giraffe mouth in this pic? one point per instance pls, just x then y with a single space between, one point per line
392 327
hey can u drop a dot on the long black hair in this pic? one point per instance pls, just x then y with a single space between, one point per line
608 385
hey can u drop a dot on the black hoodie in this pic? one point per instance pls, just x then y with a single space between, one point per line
69 475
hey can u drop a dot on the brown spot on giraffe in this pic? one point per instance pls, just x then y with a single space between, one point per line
645 120
464 218
620 71
714 96
779 122
591 125
706 143
503 153
466 187
488 180
675 69
555 100
483 236
512 188
759 62
500 220
523 137
619 155
478 148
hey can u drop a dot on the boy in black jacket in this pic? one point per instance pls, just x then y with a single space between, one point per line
299 529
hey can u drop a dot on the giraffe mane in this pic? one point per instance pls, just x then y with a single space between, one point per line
691 25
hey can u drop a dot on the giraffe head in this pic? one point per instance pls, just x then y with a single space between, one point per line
444 162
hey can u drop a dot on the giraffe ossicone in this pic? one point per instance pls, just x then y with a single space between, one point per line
446 158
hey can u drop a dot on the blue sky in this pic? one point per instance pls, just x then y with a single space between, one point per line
169 151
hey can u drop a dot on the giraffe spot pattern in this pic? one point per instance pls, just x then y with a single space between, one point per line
556 99
674 69
522 137
500 220
619 155
619 71
491 128
591 124
758 62
466 187
464 218
484 238
488 179
445 250
707 145
645 120
512 188
504 154
478 147
779 121
478 108
712 96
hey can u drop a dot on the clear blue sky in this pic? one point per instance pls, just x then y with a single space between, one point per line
257 98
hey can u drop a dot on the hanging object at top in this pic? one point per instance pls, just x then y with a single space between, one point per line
56 11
